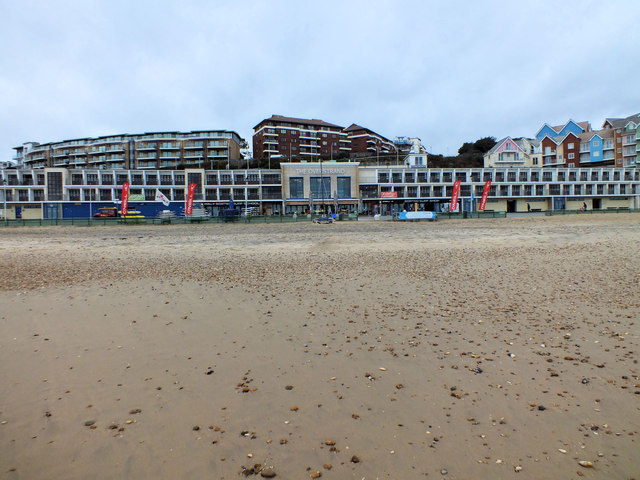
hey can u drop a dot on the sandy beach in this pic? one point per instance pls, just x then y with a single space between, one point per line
478 348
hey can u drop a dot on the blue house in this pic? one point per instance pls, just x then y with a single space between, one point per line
562 130
595 148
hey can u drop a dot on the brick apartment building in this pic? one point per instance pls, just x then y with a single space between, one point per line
288 137
304 139
368 142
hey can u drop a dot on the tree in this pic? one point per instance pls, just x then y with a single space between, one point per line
466 148
485 144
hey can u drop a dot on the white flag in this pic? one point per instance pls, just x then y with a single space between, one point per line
161 197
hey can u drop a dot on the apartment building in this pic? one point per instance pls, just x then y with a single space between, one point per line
155 150
626 139
53 193
366 142
304 139
517 152
572 145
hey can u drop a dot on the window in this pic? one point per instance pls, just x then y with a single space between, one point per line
596 153
178 194
570 146
320 187
344 187
570 156
107 179
296 189
54 185
74 194
596 143
535 161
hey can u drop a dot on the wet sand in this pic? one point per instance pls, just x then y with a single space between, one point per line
458 349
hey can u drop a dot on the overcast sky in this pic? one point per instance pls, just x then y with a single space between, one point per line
444 71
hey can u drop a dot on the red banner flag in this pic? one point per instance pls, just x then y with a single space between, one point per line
189 207
454 196
125 199
485 195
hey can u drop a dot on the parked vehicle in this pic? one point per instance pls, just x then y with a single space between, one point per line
106 212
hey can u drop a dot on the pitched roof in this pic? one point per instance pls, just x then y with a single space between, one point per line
622 122
585 126
354 127
587 136
316 122
497 145
501 142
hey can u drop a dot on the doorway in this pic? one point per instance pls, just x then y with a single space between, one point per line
596 204
512 206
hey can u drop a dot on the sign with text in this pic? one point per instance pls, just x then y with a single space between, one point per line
454 196
189 207
320 171
417 216
125 199
485 195
161 197
388 194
